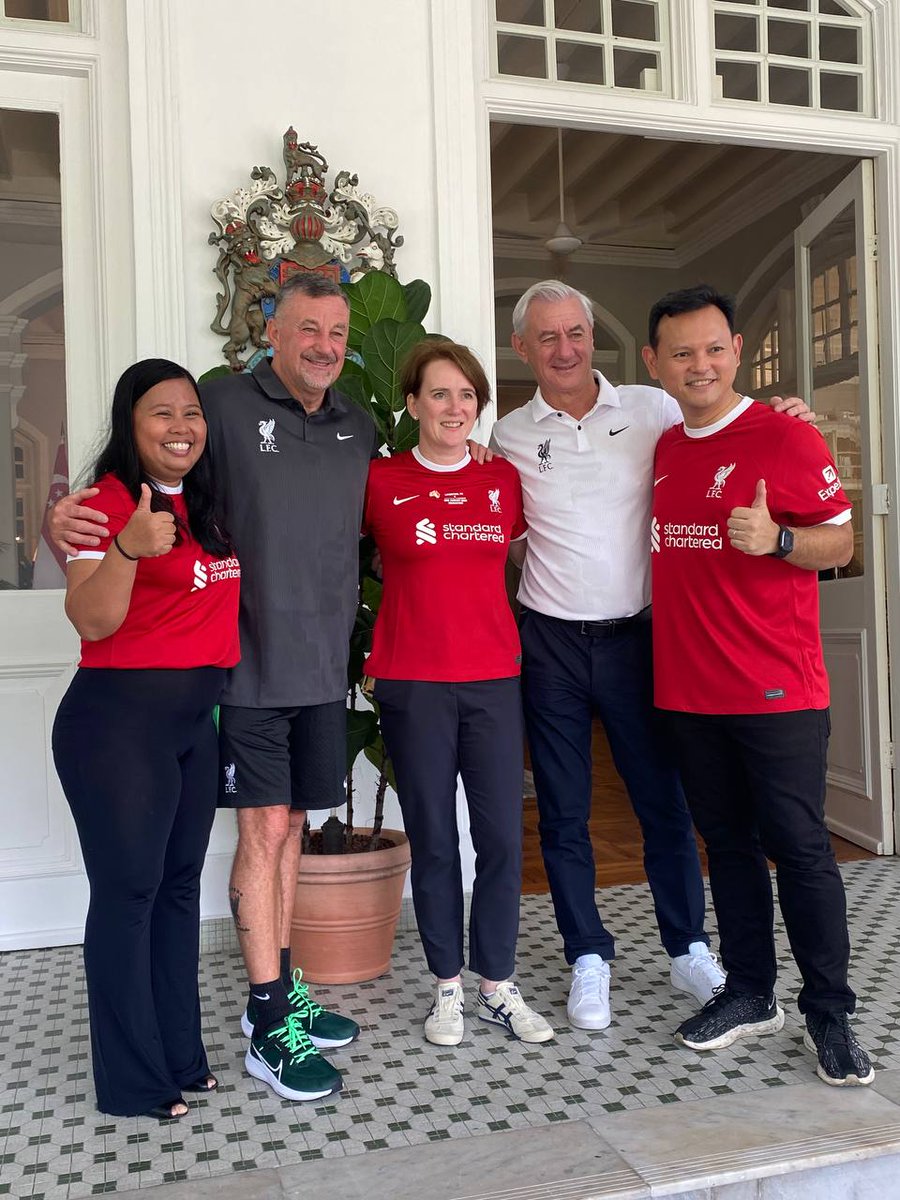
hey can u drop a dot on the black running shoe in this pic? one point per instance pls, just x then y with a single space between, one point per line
842 1060
727 1017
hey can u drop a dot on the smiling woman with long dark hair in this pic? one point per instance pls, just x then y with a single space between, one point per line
134 740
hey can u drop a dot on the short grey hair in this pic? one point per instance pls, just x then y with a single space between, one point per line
549 289
312 284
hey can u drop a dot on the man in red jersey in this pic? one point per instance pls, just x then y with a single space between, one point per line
747 508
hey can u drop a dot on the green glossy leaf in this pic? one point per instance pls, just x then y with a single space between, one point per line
373 298
384 348
405 435
354 383
362 732
215 373
371 594
417 294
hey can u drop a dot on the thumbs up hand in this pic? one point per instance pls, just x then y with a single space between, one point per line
752 529
148 534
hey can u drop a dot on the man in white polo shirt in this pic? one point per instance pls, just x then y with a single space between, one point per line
584 450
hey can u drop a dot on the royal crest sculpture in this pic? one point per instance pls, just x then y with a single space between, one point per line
268 231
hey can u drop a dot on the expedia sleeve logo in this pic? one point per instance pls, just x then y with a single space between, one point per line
832 483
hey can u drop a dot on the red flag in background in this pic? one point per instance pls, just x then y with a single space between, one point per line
49 561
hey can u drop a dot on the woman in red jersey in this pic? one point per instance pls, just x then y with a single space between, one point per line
134 740
445 658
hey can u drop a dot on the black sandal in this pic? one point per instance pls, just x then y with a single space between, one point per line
206 1083
163 1112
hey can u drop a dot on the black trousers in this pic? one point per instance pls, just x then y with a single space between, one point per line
755 785
569 674
137 756
434 732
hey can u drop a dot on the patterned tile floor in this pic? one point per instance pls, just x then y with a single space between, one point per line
399 1091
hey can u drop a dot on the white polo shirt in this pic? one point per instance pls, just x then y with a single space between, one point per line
587 488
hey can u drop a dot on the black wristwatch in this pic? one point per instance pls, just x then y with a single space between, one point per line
785 542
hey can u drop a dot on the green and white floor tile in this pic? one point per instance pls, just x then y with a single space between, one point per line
399 1091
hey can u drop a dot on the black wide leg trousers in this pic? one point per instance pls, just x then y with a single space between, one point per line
137 755
434 732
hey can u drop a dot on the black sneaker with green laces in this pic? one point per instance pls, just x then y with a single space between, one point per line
326 1030
842 1061
285 1059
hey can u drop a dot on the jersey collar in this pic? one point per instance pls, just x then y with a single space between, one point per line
708 430
607 396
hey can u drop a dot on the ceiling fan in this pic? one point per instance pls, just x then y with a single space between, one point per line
563 242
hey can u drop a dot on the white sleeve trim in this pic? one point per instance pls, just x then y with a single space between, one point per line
840 519
85 554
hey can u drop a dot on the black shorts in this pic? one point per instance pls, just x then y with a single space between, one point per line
294 756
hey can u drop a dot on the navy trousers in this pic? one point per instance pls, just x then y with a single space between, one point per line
568 676
756 787
137 756
434 732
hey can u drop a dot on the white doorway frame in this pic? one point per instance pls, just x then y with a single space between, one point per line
466 99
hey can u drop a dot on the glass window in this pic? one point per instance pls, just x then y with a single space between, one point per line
601 43
766 364
37 10
33 461
779 51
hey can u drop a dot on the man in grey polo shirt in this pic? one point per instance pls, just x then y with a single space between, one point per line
291 456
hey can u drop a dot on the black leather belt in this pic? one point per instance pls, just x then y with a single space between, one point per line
613 626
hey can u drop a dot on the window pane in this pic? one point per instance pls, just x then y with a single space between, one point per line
32 347
740 81
839 44
788 86
585 16
521 12
836 393
521 56
834 8
790 38
577 63
37 10
636 69
842 92
736 32
796 5
635 19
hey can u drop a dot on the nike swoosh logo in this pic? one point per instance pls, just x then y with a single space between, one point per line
661 478
613 432
405 499
265 997
275 1070
342 437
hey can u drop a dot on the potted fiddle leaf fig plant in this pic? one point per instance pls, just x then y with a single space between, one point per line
350 885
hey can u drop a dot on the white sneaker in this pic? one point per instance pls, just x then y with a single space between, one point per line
697 972
588 1004
506 1007
444 1025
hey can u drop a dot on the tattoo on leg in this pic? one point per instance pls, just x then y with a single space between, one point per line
234 899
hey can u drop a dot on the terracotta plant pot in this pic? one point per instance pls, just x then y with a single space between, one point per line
346 911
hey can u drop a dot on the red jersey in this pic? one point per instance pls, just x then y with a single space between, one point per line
735 633
184 604
444 538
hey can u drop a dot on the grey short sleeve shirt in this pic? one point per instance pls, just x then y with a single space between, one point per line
292 488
